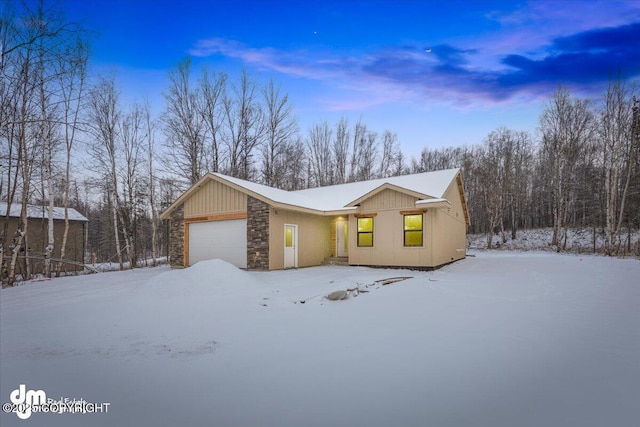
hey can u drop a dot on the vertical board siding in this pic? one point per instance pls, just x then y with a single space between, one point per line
388 199
213 198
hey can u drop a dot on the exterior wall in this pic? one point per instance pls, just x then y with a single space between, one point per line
37 241
450 229
177 237
257 234
388 241
214 198
444 232
314 243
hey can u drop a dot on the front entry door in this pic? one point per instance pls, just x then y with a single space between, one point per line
290 246
342 249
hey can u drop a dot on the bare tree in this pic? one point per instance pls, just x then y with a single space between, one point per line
27 35
184 127
149 126
212 93
280 128
245 127
493 173
616 138
319 143
293 163
566 125
341 150
518 180
132 133
390 153
358 143
72 83
104 116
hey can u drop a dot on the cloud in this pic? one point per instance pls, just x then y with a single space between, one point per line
592 56
293 63
446 73
625 37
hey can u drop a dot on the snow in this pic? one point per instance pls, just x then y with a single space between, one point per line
40 212
499 339
432 201
579 240
337 197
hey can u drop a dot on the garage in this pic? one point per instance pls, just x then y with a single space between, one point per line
226 240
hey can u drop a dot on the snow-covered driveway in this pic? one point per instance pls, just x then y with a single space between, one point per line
501 339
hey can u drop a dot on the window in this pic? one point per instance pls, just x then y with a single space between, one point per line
365 232
413 230
288 237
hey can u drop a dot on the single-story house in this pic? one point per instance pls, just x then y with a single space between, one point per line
37 235
417 220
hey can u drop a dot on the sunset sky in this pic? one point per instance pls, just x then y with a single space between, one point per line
438 73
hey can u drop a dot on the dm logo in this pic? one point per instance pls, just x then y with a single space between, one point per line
25 400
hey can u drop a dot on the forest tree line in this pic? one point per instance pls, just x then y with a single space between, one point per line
68 139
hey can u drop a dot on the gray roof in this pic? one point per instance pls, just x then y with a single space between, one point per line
40 212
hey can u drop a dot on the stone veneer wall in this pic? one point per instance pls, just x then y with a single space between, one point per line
257 234
176 237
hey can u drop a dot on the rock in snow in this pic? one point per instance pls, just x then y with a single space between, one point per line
338 295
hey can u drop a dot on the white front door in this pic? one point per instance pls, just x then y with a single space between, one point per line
290 246
342 238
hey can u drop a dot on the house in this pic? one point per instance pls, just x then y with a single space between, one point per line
417 220
37 235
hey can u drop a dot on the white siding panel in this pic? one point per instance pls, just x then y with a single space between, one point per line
226 240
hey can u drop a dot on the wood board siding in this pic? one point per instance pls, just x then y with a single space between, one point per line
449 227
388 199
37 239
214 198
388 242
314 242
444 231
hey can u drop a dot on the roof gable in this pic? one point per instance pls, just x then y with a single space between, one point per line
335 198
387 186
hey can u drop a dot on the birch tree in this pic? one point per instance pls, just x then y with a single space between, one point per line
615 131
132 134
72 83
25 32
104 116
150 134
566 124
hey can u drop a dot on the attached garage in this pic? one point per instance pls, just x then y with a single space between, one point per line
417 220
226 240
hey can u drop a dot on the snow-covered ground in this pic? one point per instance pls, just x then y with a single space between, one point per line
579 240
500 339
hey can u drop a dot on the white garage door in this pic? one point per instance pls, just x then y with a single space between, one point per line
226 240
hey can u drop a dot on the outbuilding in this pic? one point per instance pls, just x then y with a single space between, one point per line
37 235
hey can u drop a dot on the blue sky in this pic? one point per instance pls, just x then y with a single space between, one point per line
438 73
